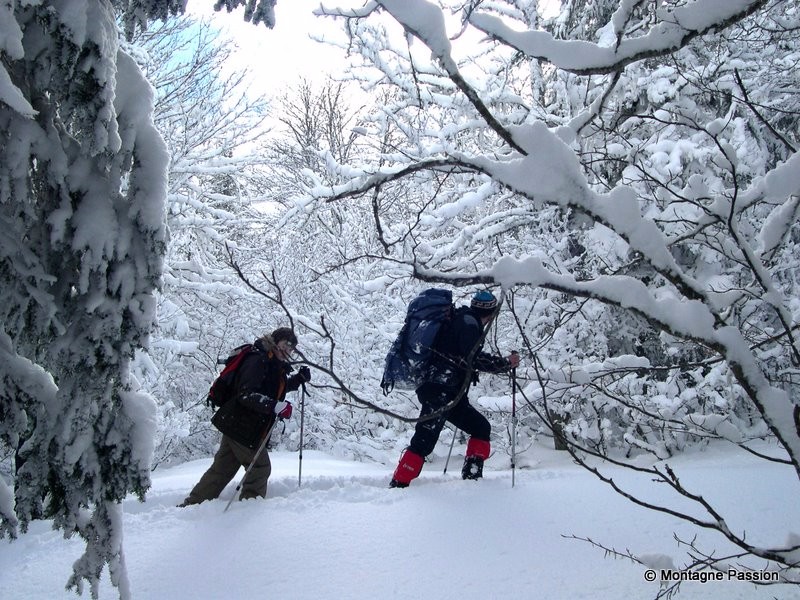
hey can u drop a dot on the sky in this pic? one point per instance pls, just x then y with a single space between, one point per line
344 534
293 40
279 56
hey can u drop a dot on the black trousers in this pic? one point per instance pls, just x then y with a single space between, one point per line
463 415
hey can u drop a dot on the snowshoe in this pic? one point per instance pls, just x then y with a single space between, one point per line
473 468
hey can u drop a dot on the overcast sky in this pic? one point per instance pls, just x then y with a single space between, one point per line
281 55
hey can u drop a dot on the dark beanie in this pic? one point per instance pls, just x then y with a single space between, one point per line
484 303
284 333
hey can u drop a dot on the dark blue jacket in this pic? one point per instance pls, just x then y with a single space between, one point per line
458 356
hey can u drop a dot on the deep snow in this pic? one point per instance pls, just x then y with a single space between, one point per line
343 534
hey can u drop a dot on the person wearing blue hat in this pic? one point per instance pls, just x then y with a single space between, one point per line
458 356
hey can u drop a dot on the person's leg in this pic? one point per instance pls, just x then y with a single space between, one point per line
218 475
467 418
426 434
408 468
255 484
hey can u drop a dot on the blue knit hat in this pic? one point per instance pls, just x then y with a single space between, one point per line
484 303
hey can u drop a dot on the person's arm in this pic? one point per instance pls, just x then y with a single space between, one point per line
253 373
483 361
490 363
467 333
469 337
295 381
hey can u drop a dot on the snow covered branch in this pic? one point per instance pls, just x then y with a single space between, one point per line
643 220
675 29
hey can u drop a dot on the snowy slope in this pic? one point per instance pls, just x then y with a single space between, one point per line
343 534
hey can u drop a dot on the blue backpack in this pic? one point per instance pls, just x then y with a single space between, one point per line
408 361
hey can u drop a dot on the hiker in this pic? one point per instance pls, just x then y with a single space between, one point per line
260 386
451 373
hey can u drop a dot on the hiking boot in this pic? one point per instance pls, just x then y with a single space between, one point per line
407 469
473 468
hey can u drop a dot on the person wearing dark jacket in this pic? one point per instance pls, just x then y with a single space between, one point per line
458 356
260 385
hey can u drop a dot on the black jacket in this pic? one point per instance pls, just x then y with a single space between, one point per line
261 381
458 355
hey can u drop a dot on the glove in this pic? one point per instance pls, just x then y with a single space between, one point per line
283 410
256 401
304 374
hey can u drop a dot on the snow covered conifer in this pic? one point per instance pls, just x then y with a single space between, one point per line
82 190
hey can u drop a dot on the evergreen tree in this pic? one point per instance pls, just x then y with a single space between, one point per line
82 187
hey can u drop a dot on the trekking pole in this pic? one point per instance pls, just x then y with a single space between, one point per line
513 422
302 416
237 492
452 443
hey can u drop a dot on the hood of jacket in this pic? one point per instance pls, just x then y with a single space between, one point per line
268 346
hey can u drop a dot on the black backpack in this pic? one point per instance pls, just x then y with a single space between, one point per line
222 389
408 361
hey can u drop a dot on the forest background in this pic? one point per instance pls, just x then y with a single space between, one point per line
624 175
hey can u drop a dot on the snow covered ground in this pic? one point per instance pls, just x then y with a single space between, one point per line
343 534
